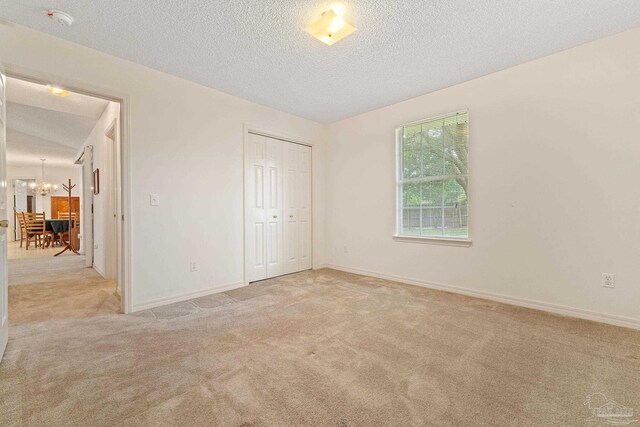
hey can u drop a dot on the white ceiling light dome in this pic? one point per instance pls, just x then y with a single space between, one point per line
62 18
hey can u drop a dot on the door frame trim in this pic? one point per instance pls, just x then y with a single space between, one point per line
124 100
259 130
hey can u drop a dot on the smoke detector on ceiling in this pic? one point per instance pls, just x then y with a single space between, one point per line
60 17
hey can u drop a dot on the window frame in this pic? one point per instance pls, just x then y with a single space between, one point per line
439 240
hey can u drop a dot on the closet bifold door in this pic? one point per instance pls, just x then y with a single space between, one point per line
273 198
304 208
291 195
255 208
297 207
277 207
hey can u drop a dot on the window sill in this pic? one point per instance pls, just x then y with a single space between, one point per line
434 240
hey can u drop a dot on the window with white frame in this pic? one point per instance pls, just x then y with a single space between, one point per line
433 178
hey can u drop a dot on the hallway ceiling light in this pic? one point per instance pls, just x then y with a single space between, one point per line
330 28
58 91
41 186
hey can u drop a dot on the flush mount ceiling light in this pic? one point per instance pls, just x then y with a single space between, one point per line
58 91
330 28
62 18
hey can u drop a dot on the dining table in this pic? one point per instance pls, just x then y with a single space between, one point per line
58 227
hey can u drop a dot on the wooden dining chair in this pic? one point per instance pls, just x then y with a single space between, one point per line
36 227
20 221
74 216
63 236
76 223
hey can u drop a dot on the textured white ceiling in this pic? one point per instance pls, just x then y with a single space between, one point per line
27 150
37 95
40 125
258 49
62 128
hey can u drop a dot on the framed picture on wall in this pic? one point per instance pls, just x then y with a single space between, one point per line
96 181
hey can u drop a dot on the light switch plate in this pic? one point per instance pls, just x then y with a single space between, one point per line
154 199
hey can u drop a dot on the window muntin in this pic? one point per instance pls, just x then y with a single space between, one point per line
433 178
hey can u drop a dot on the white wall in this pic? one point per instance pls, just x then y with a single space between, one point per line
554 200
186 145
554 166
103 225
55 174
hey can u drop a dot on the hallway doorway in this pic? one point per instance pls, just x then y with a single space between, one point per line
60 126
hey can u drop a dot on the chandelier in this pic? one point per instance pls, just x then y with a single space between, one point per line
41 186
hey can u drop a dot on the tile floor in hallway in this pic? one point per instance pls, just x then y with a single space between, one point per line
15 251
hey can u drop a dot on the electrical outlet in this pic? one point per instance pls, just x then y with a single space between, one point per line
193 266
608 280
345 249
154 199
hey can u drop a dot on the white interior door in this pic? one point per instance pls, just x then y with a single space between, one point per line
4 223
277 207
273 198
86 202
255 208
304 208
297 207
291 190
110 216
19 187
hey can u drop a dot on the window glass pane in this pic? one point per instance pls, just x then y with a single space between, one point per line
411 144
434 156
455 148
455 207
411 194
432 149
411 209
431 224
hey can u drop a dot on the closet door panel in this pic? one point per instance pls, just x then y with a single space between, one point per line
304 208
291 156
278 207
255 215
274 200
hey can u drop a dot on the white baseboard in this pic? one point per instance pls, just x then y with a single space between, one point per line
522 302
184 297
99 271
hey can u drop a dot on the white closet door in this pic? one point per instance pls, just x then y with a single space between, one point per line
278 207
291 189
255 208
273 198
297 188
304 208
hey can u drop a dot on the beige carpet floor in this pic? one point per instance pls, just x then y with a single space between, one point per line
46 288
316 348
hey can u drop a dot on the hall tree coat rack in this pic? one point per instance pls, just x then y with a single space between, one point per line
70 229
